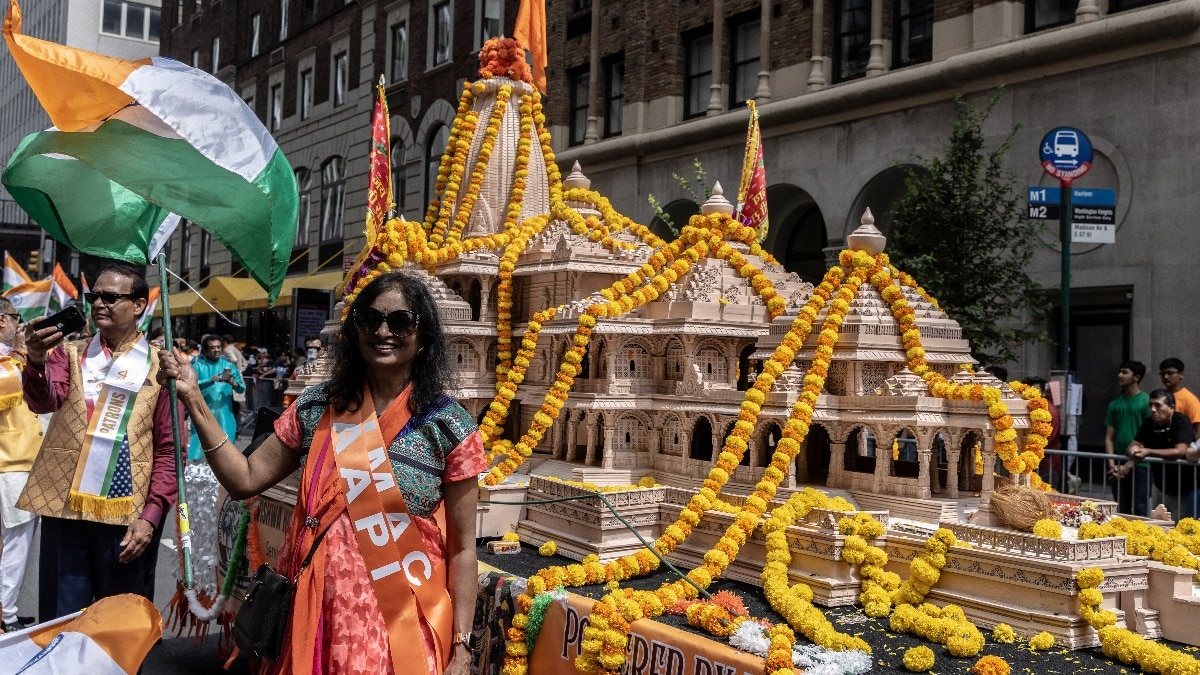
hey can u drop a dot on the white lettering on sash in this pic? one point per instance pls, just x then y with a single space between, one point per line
376 457
387 570
399 523
357 481
113 409
415 557
343 435
376 527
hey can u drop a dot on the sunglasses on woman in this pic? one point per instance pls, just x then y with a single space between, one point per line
401 322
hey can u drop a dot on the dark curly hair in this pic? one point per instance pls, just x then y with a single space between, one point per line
431 372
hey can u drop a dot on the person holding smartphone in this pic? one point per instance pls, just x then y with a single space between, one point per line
219 379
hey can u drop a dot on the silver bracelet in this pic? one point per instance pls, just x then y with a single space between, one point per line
215 447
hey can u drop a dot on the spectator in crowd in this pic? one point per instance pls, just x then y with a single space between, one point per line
1186 403
219 379
1166 434
1130 481
99 535
20 438
235 356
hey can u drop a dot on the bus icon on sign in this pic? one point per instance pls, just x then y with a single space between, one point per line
1066 143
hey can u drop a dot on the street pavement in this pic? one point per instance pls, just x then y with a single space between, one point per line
173 655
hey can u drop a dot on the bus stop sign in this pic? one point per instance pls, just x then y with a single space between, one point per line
1066 154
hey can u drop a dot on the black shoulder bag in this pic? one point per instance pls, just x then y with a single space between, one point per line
261 623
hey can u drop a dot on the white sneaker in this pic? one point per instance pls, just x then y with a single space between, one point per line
1073 483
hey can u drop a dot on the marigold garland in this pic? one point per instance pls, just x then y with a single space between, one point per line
1041 642
1004 634
991 665
918 659
1176 547
944 625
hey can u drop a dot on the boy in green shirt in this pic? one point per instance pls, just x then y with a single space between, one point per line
1130 482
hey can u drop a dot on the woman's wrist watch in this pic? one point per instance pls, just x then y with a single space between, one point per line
468 640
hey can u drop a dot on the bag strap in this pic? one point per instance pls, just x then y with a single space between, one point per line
308 558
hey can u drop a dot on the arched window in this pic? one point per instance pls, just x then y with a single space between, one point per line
636 363
462 357
333 197
435 145
712 364
399 184
304 216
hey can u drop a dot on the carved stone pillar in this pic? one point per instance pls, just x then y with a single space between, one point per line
989 465
715 100
568 445
875 65
837 463
952 458
592 133
591 442
883 464
609 434
923 489
816 73
486 311
763 93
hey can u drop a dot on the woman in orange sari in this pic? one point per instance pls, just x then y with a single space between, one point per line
386 569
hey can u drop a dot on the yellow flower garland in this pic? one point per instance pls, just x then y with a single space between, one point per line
1177 547
1123 644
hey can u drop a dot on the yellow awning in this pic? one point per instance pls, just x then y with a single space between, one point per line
326 281
229 294
181 303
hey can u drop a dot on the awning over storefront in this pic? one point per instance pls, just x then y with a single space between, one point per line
181 304
229 294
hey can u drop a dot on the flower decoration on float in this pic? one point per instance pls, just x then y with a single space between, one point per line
1041 642
991 665
918 659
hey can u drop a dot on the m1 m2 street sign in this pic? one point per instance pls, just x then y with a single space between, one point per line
1094 212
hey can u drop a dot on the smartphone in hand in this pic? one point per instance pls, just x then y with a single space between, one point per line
69 320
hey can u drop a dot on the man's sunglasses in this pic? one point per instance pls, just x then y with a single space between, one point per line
108 297
401 322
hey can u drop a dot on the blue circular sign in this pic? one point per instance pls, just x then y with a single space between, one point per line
1066 153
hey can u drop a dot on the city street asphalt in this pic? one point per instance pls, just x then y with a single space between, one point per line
174 655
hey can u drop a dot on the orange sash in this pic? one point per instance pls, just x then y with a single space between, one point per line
406 584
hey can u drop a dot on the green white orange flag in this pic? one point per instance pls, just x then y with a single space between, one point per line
138 144
62 290
32 299
13 274
752 193
84 304
148 315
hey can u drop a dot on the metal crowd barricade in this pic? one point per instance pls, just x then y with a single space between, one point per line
1173 483
260 393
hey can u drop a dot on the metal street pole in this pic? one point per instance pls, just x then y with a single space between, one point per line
1065 216
185 534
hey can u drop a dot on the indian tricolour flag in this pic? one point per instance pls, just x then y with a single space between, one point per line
151 305
13 274
62 290
138 144
32 299
111 637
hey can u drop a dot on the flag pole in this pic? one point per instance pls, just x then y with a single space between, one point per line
185 534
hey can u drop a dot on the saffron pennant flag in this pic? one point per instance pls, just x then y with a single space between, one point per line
530 31
379 189
148 315
752 193
138 144
62 290
32 299
13 274
84 304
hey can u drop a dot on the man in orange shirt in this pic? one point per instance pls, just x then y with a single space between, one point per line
1171 372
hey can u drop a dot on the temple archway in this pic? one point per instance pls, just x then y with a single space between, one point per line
860 451
701 446
812 462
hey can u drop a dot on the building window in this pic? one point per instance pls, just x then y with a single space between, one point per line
216 54
185 248
1043 14
333 197
399 183
438 139
311 9
614 96
853 30
441 33
131 20
276 111
491 19
914 32
579 106
698 77
284 6
306 93
1122 5
255 29
399 51
178 12
745 65
341 77
304 217
205 248
195 58
580 5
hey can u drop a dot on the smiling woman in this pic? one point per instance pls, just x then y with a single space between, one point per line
390 375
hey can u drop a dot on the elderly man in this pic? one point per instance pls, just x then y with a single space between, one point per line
219 381
20 438
104 478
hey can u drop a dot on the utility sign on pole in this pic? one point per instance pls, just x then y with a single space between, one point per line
1066 154
1094 212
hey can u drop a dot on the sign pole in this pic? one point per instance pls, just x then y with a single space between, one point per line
1066 154
1065 219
